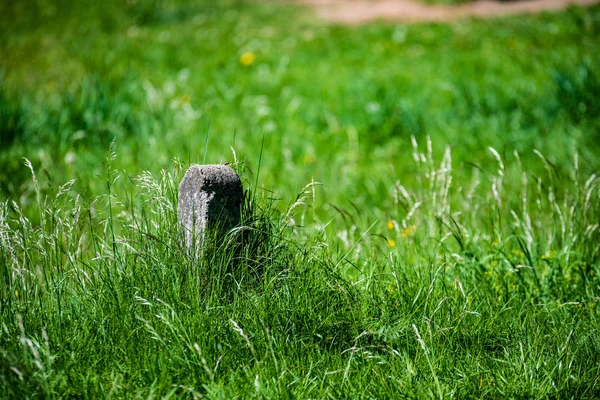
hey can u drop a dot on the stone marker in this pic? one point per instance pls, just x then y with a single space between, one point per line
209 196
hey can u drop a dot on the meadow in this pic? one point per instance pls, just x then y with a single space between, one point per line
422 214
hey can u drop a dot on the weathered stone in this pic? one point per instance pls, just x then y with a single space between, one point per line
209 196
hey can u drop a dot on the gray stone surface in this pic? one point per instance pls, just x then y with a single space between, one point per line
209 196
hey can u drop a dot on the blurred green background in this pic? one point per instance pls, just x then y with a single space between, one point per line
328 103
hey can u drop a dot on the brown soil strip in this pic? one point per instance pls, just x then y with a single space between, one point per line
361 11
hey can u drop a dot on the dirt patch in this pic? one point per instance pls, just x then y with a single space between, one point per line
361 11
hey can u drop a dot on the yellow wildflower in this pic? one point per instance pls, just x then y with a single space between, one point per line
390 225
185 99
391 243
406 232
16 292
308 159
550 254
518 253
247 58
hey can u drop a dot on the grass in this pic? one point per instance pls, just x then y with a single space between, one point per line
450 248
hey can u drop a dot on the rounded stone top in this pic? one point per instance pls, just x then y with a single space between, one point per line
209 194
212 177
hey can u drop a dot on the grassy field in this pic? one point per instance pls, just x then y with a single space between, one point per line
422 213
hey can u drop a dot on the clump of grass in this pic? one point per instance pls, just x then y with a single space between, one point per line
513 230
70 276
488 290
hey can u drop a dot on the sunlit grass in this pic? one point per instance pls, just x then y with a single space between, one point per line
421 220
